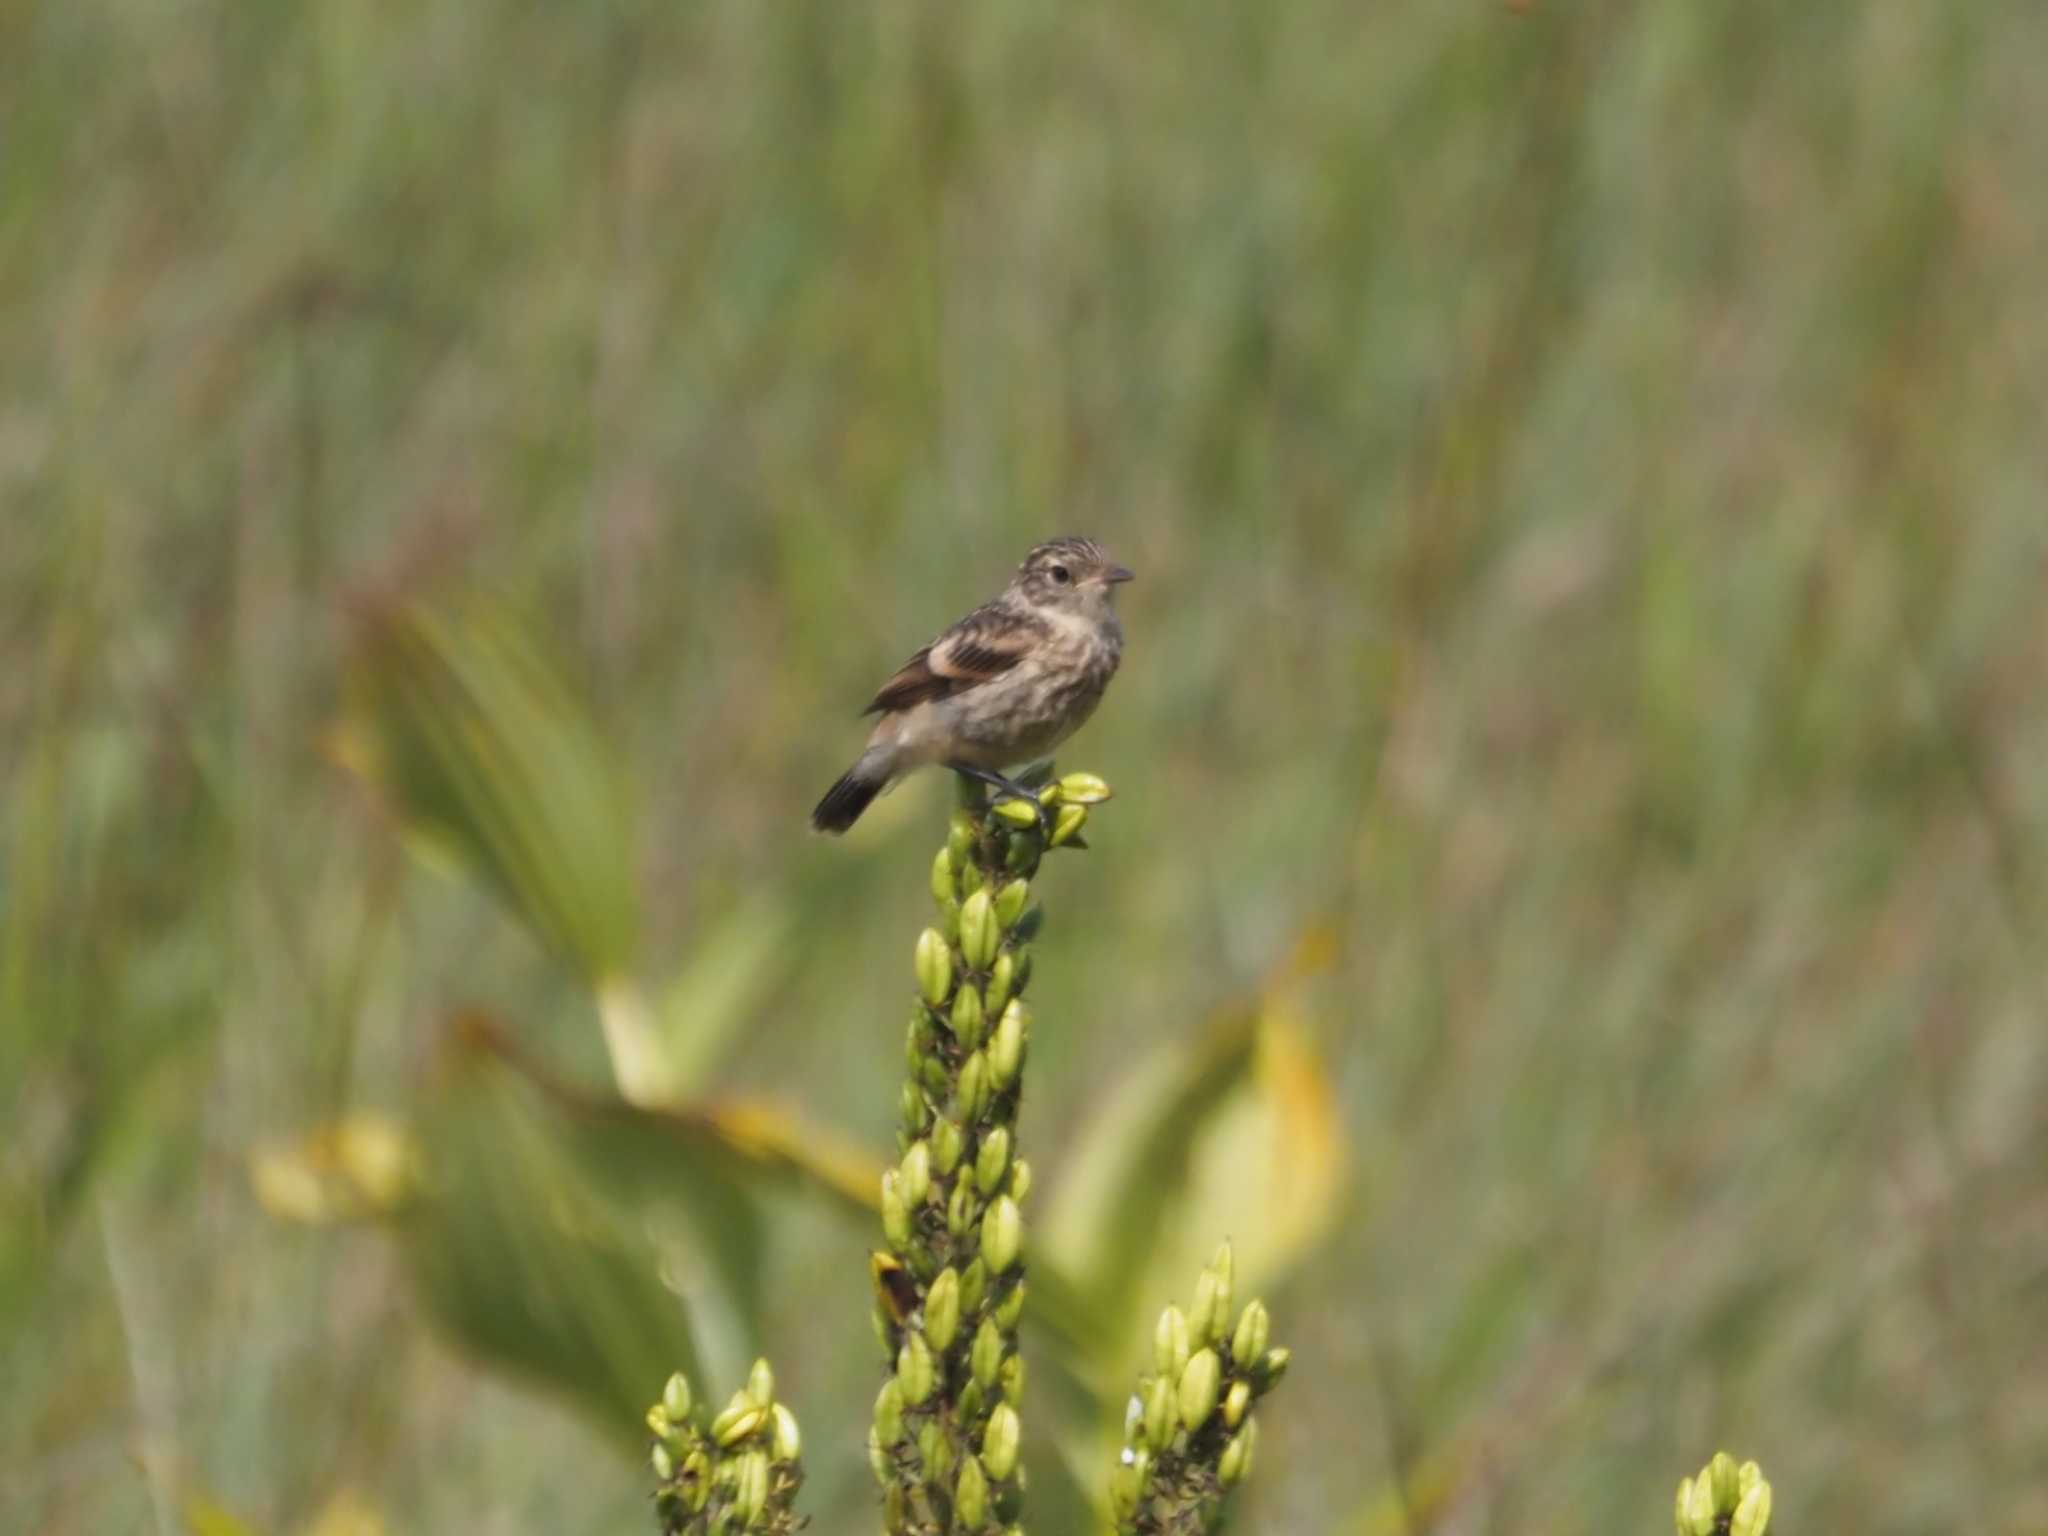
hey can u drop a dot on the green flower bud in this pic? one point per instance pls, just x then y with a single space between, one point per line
1009 902
935 1451
1067 824
1267 1370
1170 1344
892 1496
895 1214
942 1311
1127 1485
663 1463
916 1374
1253 1329
1018 813
933 1075
1224 1267
949 920
993 1161
695 1477
973 1287
1020 853
934 967
972 1404
1011 1377
1699 1509
917 1113
1083 789
675 1398
1002 1235
985 1357
1161 1413
999 1442
752 1495
1006 1048
658 1421
761 1384
1002 983
978 932
914 1177
960 839
1235 1465
1204 1326
942 876
970 1495
948 1142
1236 1402
1682 1512
1747 1476
1011 1307
739 1420
967 1016
974 1089
1020 1180
1199 1385
961 1209
889 1412
972 878
1752 1512
1724 1477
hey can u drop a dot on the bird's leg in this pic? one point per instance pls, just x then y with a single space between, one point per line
1006 789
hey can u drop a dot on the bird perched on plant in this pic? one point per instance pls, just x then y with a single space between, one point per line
1006 684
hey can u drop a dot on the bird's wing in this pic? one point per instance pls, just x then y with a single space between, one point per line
984 645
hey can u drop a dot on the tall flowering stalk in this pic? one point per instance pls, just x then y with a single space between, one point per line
950 1281
1189 1433
738 1470
1724 1499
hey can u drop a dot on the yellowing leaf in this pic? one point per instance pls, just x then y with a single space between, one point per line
204 1516
776 1137
348 1513
1268 1170
1235 1135
361 1166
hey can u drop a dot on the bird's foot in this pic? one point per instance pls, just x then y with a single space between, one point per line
1008 789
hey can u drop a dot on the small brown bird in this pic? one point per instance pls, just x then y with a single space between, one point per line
1006 684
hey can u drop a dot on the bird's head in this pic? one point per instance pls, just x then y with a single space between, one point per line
1070 573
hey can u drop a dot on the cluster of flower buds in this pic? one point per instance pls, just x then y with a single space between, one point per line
732 1472
1724 1499
1189 1432
949 1289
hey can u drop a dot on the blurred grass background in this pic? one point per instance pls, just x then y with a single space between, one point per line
1585 467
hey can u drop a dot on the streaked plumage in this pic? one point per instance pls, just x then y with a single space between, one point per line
1005 684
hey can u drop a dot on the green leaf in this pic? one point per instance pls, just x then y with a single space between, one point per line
728 972
495 767
575 1241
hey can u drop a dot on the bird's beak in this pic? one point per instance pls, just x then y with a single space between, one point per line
1116 574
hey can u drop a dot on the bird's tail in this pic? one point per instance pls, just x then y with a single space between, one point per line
845 800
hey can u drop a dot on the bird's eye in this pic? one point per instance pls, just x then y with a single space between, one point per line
1062 575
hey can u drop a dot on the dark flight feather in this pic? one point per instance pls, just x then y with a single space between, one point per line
845 800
